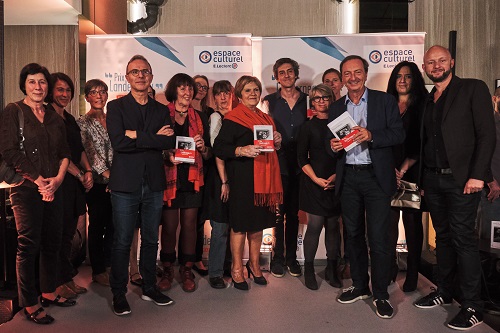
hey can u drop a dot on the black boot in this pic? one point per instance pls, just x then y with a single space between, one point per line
309 276
331 272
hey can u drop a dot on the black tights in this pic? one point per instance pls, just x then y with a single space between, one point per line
412 221
315 224
187 236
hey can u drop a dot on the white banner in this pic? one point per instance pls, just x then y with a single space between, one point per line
315 54
218 57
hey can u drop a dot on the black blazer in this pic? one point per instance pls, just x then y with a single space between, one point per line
135 158
468 128
384 122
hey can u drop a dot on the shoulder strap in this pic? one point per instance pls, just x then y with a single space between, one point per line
21 126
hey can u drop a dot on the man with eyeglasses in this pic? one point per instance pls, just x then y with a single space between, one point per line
288 108
366 181
139 129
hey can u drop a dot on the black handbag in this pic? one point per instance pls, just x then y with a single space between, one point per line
407 196
8 176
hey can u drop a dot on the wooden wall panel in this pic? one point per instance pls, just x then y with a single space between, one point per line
259 17
55 47
478 33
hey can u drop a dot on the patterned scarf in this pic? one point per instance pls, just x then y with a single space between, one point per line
268 190
195 173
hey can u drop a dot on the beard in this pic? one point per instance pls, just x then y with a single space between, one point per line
441 78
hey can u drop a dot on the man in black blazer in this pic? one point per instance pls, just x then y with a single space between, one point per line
139 128
366 181
458 140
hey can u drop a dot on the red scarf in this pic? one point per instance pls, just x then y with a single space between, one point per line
195 173
268 190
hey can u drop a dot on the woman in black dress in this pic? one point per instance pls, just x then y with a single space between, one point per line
317 197
254 177
407 85
183 196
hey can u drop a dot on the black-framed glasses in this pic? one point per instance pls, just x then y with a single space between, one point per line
318 98
135 72
100 92
201 87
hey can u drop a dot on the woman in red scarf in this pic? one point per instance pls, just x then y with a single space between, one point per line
254 177
183 195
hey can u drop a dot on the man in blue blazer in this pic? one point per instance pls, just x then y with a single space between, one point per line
139 128
366 181
458 141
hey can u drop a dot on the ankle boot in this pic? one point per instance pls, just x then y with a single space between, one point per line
333 277
309 276
187 277
167 277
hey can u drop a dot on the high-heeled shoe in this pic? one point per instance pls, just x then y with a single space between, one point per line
257 279
47 302
47 319
239 285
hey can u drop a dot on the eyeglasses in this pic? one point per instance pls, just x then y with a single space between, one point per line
223 94
318 98
135 72
199 86
100 92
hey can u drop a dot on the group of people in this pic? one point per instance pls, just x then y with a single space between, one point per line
123 164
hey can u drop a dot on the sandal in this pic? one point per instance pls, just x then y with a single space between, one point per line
42 320
136 282
47 302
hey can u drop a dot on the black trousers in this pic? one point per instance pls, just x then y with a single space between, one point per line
100 230
39 228
453 218
362 196
285 233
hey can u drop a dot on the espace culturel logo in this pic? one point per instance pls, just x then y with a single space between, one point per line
375 56
205 57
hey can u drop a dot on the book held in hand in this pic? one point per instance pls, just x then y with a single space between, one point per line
341 127
495 234
184 149
263 136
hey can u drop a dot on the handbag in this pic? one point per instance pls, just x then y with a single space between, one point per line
407 196
8 176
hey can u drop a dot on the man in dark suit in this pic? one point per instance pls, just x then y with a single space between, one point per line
139 129
458 140
366 181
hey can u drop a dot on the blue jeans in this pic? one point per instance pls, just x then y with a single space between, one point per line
490 211
217 254
126 206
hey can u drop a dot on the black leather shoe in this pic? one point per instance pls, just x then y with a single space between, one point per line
42 320
47 302
217 282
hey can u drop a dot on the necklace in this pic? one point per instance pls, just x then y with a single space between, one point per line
182 113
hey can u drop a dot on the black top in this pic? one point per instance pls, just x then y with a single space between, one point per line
72 135
410 148
243 214
183 184
311 150
44 143
288 122
434 149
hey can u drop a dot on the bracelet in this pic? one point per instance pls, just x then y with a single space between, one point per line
226 182
79 174
88 171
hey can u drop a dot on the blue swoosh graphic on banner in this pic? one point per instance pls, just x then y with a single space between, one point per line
155 44
324 45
